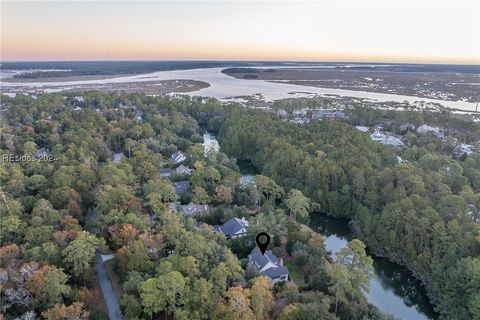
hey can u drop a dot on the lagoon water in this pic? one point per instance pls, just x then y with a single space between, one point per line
227 88
392 289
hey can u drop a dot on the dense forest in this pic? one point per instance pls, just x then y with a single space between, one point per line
418 213
67 199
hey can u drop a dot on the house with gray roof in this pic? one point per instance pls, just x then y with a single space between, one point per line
321 114
268 265
192 208
181 169
165 172
181 186
178 157
233 228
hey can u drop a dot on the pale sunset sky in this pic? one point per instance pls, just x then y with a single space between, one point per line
384 31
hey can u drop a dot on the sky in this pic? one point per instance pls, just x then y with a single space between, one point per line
382 31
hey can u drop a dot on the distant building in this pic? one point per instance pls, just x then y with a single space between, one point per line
183 170
282 113
180 170
362 128
406 127
300 112
386 139
181 186
192 208
426 129
322 114
42 152
178 157
269 265
464 148
233 228
165 172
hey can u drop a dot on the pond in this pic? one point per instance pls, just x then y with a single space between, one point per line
393 289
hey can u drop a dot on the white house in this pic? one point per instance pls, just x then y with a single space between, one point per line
268 265
178 157
192 208
233 228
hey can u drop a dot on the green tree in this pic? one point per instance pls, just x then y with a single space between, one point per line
80 253
341 284
298 205
359 264
164 293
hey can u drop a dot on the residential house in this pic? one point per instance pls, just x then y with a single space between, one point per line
322 114
165 172
180 170
192 208
181 186
435 130
362 128
178 157
268 265
43 152
386 139
183 170
233 228
464 148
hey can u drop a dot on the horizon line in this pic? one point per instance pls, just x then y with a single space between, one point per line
243 60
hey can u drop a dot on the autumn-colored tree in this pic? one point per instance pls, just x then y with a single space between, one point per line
290 312
91 298
262 300
8 252
47 286
63 238
224 194
74 201
59 311
69 223
235 306
154 241
122 235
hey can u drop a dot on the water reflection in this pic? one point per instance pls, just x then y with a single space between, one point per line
393 289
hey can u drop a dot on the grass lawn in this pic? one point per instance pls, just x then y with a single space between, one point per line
294 270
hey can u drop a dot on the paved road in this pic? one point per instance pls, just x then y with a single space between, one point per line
109 295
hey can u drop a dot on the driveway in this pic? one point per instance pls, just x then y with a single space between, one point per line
111 299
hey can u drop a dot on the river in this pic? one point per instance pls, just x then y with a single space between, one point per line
226 88
393 289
